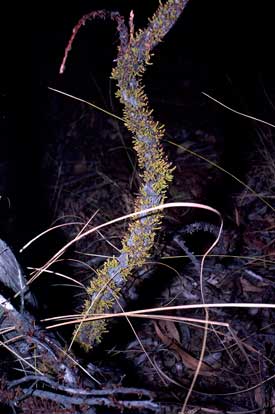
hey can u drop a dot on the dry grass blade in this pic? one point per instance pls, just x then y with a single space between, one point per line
203 347
76 318
76 223
76 282
121 218
238 112
87 103
19 357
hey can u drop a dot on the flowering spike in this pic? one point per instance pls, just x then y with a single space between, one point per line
155 170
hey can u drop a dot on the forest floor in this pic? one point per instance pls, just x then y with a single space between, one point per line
95 177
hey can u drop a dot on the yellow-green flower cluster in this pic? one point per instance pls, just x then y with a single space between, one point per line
155 170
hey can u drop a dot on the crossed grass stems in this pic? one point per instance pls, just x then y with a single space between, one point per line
156 313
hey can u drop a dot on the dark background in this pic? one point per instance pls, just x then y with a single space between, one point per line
221 47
